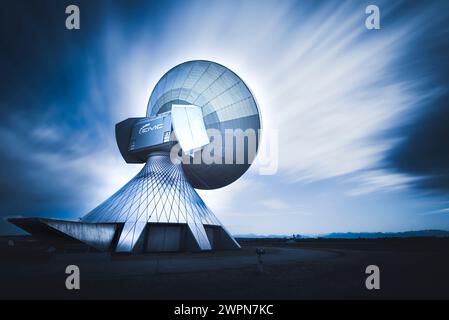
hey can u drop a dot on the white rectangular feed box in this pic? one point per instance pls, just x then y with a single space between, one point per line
189 127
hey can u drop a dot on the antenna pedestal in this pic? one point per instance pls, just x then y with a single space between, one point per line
160 206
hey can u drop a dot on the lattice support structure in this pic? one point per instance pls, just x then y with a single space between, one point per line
159 193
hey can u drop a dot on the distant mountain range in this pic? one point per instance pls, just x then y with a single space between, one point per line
357 235
257 236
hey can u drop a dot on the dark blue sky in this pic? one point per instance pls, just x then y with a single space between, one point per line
361 115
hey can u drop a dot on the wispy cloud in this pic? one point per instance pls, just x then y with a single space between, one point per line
434 212
380 181
274 204
339 95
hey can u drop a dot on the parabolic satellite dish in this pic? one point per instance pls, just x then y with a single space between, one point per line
226 102
200 111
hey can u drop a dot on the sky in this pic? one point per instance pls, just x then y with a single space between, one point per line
361 115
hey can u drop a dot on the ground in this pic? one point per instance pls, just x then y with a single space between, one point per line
305 269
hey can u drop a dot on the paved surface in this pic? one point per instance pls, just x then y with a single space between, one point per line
146 264
273 256
290 272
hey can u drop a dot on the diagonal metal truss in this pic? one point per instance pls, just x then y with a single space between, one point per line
159 193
